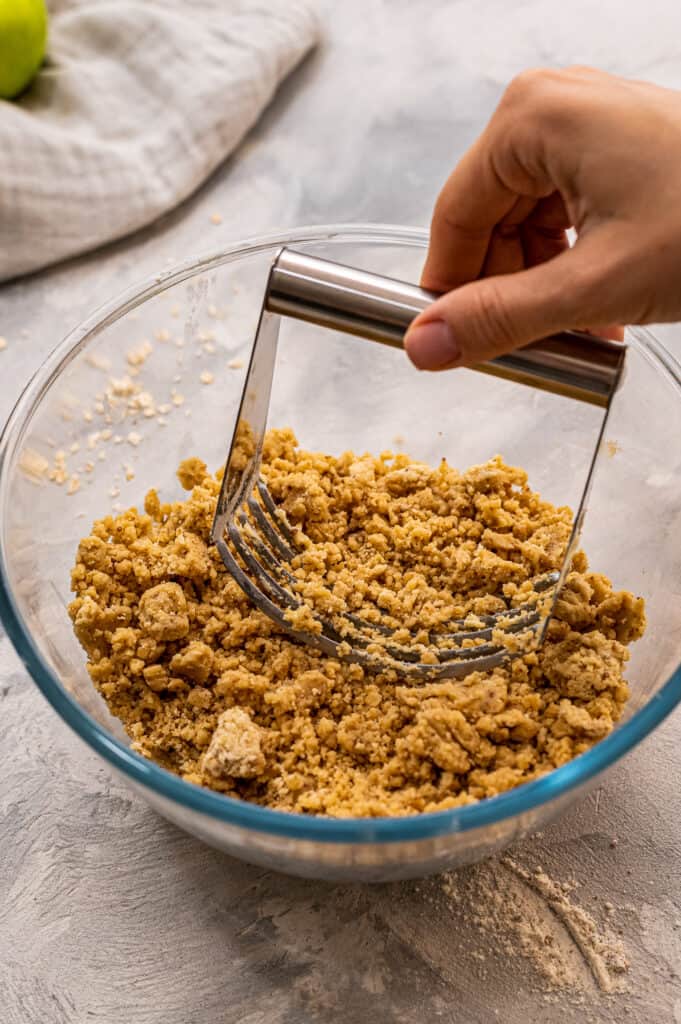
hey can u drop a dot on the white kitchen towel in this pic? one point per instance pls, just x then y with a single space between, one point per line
138 102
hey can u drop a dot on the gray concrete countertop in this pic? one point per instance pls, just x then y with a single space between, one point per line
109 914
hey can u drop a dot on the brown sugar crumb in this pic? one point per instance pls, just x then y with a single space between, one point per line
162 612
210 688
195 661
234 750
191 473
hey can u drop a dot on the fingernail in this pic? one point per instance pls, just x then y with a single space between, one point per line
432 346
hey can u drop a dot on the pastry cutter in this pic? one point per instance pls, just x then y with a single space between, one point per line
253 536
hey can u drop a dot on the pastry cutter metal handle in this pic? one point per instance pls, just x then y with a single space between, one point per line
379 308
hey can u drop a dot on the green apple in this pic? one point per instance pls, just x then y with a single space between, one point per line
23 33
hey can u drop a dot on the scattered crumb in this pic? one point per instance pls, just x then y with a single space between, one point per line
138 356
162 334
175 311
235 364
121 387
612 448
33 464
134 438
207 377
58 473
216 218
98 361
3 343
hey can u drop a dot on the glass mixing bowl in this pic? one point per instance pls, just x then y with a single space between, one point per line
165 363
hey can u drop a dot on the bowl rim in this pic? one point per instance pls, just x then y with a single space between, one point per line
220 807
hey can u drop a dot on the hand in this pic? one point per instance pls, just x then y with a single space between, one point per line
575 148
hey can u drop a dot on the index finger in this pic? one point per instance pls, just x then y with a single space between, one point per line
472 202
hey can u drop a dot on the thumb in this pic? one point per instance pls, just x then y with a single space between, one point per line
494 315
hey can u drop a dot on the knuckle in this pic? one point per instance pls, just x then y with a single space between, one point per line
582 71
455 220
509 231
534 92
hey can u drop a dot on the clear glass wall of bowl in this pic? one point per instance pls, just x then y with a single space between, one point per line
157 377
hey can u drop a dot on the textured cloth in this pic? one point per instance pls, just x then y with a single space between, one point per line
138 101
